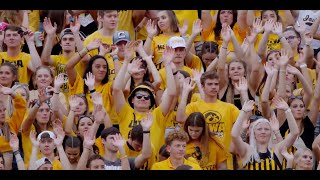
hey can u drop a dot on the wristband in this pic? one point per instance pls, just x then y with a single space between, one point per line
92 91
80 55
16 152
87 49
56 92
20 159
146 132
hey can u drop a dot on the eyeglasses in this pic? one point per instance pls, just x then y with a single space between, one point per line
290 37
146 97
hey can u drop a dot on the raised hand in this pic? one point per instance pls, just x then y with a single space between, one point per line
33 138
114 49
196 27
88 140
73 102
277 28
308 37
248 106
5 90
58 82
135 66
75 26
242 85
90 80
280 103
104 49
168 55
300 28
274 123
196 75
292 70
288 156
151 28
59 136
257 26
284 58
47 25
129 51
94 44
30 36
225 33
268 25
14 142
184 28
42 95
147 122
118 141
269 69
56 124
187 85
99 115
96 98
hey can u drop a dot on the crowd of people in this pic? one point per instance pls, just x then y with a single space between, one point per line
159 89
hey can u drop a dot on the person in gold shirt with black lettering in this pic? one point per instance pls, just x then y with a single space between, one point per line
141 100
176 143
27 63
219 115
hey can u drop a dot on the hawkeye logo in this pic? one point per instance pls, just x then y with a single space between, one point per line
215 123
212 117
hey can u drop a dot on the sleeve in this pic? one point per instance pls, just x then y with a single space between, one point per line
155 166
190 109
20 108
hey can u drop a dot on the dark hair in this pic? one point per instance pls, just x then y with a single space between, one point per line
84 116
184 167
14 28
291 98
72 141
14 70
58 17
208 75
137 134
174 23
89 69
197 119
109 131
218 27
185 74
92 158
290 28
275 11
163 151
209 47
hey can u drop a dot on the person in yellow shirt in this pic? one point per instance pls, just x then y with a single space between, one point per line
141 101
191 16
46 142
70 43
9 74
26 63
176 143
10 124
209 152
109 20
212 29
160 32
219 115
129 20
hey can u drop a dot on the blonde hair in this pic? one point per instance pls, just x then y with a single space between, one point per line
299 153
10 107
5 128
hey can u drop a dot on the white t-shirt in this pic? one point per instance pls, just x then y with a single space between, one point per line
307 17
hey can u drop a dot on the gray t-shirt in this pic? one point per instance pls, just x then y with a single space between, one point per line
109 165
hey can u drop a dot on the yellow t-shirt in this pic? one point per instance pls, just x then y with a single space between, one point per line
195 63
158 46
142 34
209 161
105 90
14 122
108 40
163 76
166 165
220 117
281 14
125 22
34 94
190 16
59 62
208 35
34 20
128 118
21 60
272 44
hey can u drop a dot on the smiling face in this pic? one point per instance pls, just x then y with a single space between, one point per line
99 69
236 71
43 78
6 76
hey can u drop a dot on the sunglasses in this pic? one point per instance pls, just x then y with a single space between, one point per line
146 97
295 97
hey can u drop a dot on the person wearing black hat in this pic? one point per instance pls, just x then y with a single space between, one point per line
142 100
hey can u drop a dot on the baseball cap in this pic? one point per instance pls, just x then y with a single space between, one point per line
3 26
46 134
40 162
176 41
65 32
120 36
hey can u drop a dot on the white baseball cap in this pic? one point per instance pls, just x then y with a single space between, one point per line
176 41
51 135
40 162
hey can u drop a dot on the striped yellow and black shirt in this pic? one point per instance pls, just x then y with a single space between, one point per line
267 162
